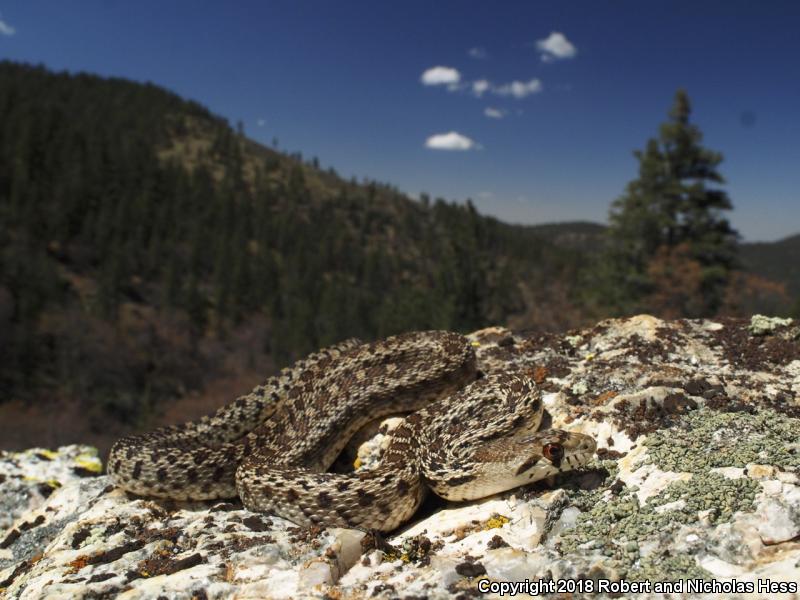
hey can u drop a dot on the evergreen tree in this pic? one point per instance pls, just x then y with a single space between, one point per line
673 205
196 305
172 281
114 194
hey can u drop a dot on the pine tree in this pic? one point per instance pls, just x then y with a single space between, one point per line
172 281
674 203
196 305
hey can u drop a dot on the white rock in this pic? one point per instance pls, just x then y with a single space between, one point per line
224 551
649 479
779 521
721 569
729 472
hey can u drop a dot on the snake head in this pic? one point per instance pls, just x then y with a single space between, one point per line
505 463
555 451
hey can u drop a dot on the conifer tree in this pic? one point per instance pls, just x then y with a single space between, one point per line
674 206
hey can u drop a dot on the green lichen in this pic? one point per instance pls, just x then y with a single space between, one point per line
711 492
705 439
763 325
661 566
584 500
616 527
412 550
579 388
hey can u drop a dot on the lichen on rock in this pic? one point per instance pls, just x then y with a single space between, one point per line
697 476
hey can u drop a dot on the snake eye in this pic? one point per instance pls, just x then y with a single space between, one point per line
554 453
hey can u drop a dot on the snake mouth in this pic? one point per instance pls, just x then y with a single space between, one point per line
581 455
576 461
582 451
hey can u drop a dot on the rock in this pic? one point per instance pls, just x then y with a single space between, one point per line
779 518
762 325
28 478
697 476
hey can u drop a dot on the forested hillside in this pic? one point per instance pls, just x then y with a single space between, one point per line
779 261
155 263
149 250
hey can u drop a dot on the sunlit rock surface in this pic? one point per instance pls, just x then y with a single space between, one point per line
698 476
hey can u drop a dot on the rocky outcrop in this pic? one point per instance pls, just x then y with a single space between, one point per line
697 477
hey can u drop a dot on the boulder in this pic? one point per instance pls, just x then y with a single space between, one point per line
696 483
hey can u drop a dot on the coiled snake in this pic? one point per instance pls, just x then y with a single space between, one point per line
466 439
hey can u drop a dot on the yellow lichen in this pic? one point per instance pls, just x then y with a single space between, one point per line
496 521
47 453
393 556
89 463
51 482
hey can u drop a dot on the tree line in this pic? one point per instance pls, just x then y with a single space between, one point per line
102 213
137 228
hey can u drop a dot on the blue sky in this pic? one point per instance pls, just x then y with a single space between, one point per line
345 81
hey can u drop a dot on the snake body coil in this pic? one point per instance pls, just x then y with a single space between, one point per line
466 439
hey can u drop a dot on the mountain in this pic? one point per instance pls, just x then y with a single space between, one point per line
580 235
778 261
154 259
155 262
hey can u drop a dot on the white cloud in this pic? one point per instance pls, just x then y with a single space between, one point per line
450 141
441 76
494 113
480 87
6 29
519 89
261 122
451 78
486 195
556 46
477 52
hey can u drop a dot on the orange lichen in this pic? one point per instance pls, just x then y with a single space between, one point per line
604 397
77 564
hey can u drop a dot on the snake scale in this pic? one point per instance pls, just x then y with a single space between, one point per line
466 437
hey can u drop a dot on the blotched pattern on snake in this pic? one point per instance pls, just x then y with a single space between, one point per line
466 438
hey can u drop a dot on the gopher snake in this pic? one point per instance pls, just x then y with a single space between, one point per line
272 446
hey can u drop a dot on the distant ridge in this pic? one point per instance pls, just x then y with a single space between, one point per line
779 261
153 258
583 235
150 252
